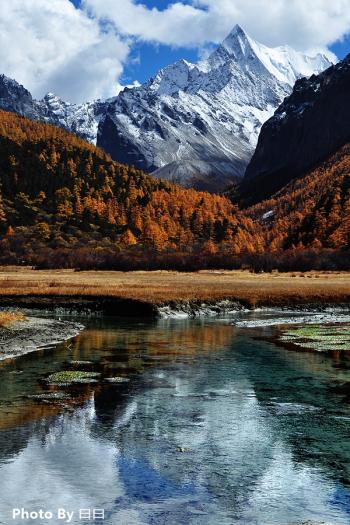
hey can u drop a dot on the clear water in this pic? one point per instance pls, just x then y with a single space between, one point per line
216 426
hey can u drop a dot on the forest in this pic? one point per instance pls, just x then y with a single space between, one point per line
65 204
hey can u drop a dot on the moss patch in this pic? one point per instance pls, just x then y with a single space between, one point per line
68 377
321 338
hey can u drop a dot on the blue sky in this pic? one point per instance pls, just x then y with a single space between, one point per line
151 58
148 58
342 48
87 49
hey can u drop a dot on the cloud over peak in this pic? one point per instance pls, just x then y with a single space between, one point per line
80 53
198 22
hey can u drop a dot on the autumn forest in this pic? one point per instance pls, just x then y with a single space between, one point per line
65 203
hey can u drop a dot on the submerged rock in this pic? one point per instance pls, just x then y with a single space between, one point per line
50 397
117 379
81 363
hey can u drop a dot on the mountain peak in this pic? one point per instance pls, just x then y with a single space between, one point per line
237 41
236 32
200 122
52 97
318 110
11 83
283 62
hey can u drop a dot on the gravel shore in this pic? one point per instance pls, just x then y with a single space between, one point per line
34 333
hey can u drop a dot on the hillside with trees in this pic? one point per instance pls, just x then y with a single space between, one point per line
64 202
310 212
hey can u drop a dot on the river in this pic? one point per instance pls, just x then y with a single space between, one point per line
217 425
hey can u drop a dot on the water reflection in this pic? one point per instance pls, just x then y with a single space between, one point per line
214 427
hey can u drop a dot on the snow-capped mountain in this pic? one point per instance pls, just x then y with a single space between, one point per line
196 124
81 119
318 110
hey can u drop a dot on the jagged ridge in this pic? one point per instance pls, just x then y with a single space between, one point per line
81 119
309 125
198 124
195 124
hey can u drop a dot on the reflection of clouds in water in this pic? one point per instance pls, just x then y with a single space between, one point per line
193 443
64 468
287 488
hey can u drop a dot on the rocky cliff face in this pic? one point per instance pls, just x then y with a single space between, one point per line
308 126
14 97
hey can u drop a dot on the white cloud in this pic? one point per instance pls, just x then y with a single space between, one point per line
52 46
299 23
170 26
80 54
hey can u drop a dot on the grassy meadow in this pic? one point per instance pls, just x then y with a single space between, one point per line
159 287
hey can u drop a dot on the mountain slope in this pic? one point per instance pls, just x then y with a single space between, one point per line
311 211
197 124
80 119
65 203
309 125
61 198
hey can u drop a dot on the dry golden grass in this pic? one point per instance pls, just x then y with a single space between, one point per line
162 286
9 318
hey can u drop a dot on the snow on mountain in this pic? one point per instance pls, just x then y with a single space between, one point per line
81 119
318 110
195 124
198 124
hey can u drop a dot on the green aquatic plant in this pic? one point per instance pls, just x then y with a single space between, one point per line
321 338
69 376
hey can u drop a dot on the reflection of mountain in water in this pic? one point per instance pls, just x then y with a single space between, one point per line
235 434
220 412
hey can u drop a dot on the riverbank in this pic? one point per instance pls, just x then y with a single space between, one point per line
151 293
32 333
